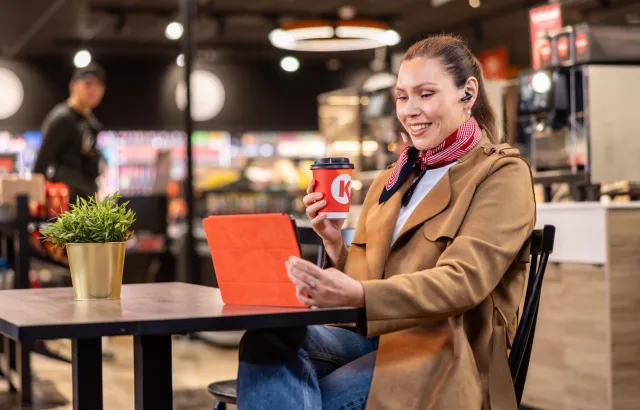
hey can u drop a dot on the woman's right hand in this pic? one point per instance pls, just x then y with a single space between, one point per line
328 229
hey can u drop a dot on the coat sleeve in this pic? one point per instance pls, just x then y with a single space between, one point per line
499 220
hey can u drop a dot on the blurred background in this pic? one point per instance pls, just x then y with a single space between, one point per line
276 84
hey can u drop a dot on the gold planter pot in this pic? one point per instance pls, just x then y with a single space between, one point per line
96 269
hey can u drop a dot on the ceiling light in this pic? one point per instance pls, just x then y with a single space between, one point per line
290 64
347 12
174 30
340 36
474 3
333 64
82 59
180 60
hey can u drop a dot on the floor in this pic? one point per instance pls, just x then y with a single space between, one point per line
195 365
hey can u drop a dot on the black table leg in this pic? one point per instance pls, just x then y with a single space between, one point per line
23 367
87 374
9 364
152 368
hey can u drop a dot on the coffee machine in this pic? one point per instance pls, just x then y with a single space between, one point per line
576 114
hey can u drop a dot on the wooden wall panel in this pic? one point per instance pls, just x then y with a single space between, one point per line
624 251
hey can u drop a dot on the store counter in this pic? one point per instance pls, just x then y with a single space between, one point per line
586 353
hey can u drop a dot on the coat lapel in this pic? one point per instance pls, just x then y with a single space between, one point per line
381 218
438 199
431 205
380 224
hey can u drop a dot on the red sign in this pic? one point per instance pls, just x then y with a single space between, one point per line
542 20
544 52
581 43
494 63
563 47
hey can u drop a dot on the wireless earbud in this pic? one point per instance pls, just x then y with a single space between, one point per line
467 96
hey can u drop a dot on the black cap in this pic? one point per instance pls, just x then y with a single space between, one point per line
92 70
332 163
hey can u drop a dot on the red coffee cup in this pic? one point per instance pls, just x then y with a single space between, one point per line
333 178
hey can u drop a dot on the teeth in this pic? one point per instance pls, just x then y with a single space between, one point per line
418 127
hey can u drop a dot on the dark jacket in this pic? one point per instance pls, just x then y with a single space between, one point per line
69 153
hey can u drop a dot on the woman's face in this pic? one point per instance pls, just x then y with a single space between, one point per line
428 102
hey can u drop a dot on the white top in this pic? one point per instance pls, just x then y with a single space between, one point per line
426 184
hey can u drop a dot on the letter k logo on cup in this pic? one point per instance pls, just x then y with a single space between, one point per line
333 179
341 189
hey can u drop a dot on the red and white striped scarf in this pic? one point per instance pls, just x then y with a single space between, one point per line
453 147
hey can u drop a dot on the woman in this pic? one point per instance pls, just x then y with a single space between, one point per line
437 260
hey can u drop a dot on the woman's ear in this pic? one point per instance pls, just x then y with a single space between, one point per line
470 89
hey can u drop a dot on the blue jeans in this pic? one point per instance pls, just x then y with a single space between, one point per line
311 368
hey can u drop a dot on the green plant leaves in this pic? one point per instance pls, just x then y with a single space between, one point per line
92 221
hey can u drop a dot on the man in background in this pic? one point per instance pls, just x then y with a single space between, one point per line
69 153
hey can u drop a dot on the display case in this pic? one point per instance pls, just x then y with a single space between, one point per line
19 150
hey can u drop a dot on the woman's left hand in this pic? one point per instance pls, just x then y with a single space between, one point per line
324 287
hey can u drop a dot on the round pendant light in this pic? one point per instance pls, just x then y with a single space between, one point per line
326 36
12 94
207 95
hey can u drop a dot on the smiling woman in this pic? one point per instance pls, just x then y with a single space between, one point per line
435 261
440 86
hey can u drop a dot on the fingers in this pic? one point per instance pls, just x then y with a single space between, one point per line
311 198
302 274
311 185
302 282
317 221
307 301
312 210
301 285
297 264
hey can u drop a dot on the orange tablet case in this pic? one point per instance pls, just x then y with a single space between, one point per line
249 252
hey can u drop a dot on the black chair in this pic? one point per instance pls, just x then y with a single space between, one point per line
541 244
541 247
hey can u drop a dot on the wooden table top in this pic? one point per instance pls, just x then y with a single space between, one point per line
154 308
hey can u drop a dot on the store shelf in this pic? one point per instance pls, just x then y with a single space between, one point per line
46 259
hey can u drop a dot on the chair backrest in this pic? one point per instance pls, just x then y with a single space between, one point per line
308 236
541 243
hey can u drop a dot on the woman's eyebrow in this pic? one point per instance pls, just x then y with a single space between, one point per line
415 86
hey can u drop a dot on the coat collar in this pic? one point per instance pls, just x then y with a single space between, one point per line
382 218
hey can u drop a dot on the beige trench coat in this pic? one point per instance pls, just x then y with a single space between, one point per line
444 296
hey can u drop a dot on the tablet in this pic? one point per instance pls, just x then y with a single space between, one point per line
248 253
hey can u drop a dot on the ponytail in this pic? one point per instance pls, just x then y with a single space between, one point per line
482 110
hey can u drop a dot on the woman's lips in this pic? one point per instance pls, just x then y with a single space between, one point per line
417 130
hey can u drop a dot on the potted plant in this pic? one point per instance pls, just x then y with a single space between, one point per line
94 233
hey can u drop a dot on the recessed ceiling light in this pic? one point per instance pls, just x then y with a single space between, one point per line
474 3
82 59
174 30
290 64
180 60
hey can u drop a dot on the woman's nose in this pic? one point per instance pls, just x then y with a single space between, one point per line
412 109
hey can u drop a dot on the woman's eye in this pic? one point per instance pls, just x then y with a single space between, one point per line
401 97
426 95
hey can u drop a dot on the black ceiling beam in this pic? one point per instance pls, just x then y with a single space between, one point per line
160 11
483 17
160 47
48 13
163 11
